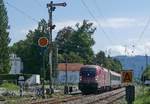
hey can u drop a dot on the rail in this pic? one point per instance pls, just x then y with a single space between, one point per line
104 98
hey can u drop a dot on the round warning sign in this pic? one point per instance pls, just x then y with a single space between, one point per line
43 41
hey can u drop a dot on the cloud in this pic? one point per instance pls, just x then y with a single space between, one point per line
17 34
118 23
117 50
130 50
25 31
114 23
61 25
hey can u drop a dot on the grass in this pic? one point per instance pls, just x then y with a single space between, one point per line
143 96
9 86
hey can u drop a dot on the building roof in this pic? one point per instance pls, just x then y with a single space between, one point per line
70 66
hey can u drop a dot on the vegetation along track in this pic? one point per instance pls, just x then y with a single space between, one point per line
104 98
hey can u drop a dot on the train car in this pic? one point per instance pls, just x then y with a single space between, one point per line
115 80
94 78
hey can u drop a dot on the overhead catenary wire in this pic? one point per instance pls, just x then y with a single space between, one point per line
144 29
22 12
99 10
38 3
89 11
142 33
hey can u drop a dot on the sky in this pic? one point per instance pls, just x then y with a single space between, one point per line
122 26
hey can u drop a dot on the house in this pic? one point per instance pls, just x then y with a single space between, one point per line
72 71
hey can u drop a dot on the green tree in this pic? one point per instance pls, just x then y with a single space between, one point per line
117 66
77 41
4 40
146 73
107 62
29 51
63 36
100 59
32 54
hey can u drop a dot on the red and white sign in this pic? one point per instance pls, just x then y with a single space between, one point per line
43 41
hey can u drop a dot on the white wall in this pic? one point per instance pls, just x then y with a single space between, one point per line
16 64
73 76
34 79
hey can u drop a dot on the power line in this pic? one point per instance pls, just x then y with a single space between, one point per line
38 3
99 10
22 12
144 29
89 11
142 32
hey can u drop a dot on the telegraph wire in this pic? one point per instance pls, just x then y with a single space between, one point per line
144 29
142 33
22 12
38 3
89 11
99 10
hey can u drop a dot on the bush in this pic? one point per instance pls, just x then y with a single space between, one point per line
143 98
9 86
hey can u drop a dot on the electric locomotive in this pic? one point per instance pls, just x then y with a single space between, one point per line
94 78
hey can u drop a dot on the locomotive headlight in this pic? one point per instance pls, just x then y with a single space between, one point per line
80 78
96 78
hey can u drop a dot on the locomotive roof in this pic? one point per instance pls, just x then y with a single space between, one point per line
104 69
95 66
90 66
114 73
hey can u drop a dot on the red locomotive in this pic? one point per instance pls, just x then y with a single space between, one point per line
94 78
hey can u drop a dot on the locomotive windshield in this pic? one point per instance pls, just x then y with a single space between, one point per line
88 72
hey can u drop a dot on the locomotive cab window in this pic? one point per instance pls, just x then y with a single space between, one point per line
88 72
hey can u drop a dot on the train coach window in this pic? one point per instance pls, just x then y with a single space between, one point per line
115 77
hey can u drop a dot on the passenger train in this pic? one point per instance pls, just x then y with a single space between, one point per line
94 78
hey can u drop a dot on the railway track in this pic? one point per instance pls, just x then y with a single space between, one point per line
104 98
109 97
57 101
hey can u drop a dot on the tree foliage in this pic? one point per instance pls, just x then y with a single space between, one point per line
107 62
146 73
77 43
73 45
29 52
4 40
33 55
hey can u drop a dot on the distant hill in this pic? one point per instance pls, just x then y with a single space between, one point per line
137 63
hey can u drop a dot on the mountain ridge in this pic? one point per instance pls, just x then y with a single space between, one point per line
136 63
